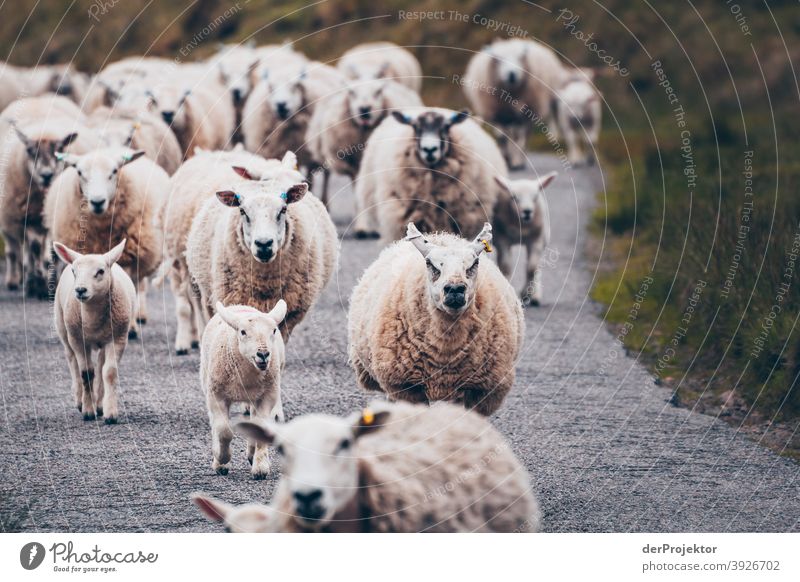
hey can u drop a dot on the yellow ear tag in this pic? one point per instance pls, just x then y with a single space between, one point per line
137 125
367 417
486 245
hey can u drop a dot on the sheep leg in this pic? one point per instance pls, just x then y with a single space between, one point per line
75 373
483 401
277 410
99 385
518 156
532 295
326 174
113 353
503 136
573 149
364 379
13 263
183 313
503 251
260 469
36 286
141 301
221 433
592 135
362 219
83 358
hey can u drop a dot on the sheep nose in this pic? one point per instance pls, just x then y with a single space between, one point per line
364 112
455 289
80 291
430 150
168 116
47 177
526 214
512 77
263 249
237 95
97 205
263 356
283 110
308 504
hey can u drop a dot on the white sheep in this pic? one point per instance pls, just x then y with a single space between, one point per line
431 166
521 217
236 66
340 127
195 182
11 85
105 196
429 320
32 130
271 242
373 60
248 518
277 56
579 110
510 84
242 357
94 307
391 468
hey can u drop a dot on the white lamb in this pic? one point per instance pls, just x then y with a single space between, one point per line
510 84
241 360
521 217
579 110
94 306
429 320
271 242
392 468
340 127
373 60
106 196
431 166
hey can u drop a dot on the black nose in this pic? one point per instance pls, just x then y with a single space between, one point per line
263 249
308 504
526 214
283 110
454 295
46 177
80 291
512 78
237 95
458 288
364 112
264 244
262 356
168 116
97 206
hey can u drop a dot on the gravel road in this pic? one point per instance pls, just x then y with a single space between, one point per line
605 449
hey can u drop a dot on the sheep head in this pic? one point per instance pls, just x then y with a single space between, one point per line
432 133
287 94
248 518
41 146
320 464
236 66
525 194
366 103
91 274
452 268
170 102
257 332
509 64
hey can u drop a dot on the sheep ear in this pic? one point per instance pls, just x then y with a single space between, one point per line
226 315
289 160
369 421
213 509
131 156
414 236
65 253
458 117
114 254
503 182
244 173
381 74
229 198
295 193
278 312
483 242
68 140
263 431
401 117
545 180
22 137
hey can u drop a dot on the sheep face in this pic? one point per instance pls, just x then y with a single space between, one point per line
320 466
257 332
287 96
236 75
169 101
42 162
98 174
525 194
365 102
508 65
250 518
432 134
262 208
578 98
452 270
91 274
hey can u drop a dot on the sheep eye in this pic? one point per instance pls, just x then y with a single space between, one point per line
80 173
434 271
243 332
344 445
282 212
279 450
114 171
243 213
100 273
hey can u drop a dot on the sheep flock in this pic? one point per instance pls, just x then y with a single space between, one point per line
211 178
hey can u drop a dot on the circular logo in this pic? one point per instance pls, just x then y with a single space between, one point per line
31 555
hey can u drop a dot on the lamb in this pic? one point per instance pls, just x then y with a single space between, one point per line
395 467
248 518
433 167
510 84
195 182
578 111
522 218
279 244
277 114
382 59
94 309
33 130
105 196
241 360
138 130
339 128
444 326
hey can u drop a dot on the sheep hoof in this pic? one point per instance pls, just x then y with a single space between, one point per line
132 334
529 301
259 476
141 320
110 420
222 470
195 345
88 416
80 407
99 412
250 461
182 352
12 287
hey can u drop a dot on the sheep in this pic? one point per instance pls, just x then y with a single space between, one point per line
105 196
431 166
248 518
11 85
277 114
40 80
382 59
578 111
241 360
446 326
94 309
138 130
271 242
510 84
522 218
236 66
194 182
395 467
277 56
32 130
340 126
